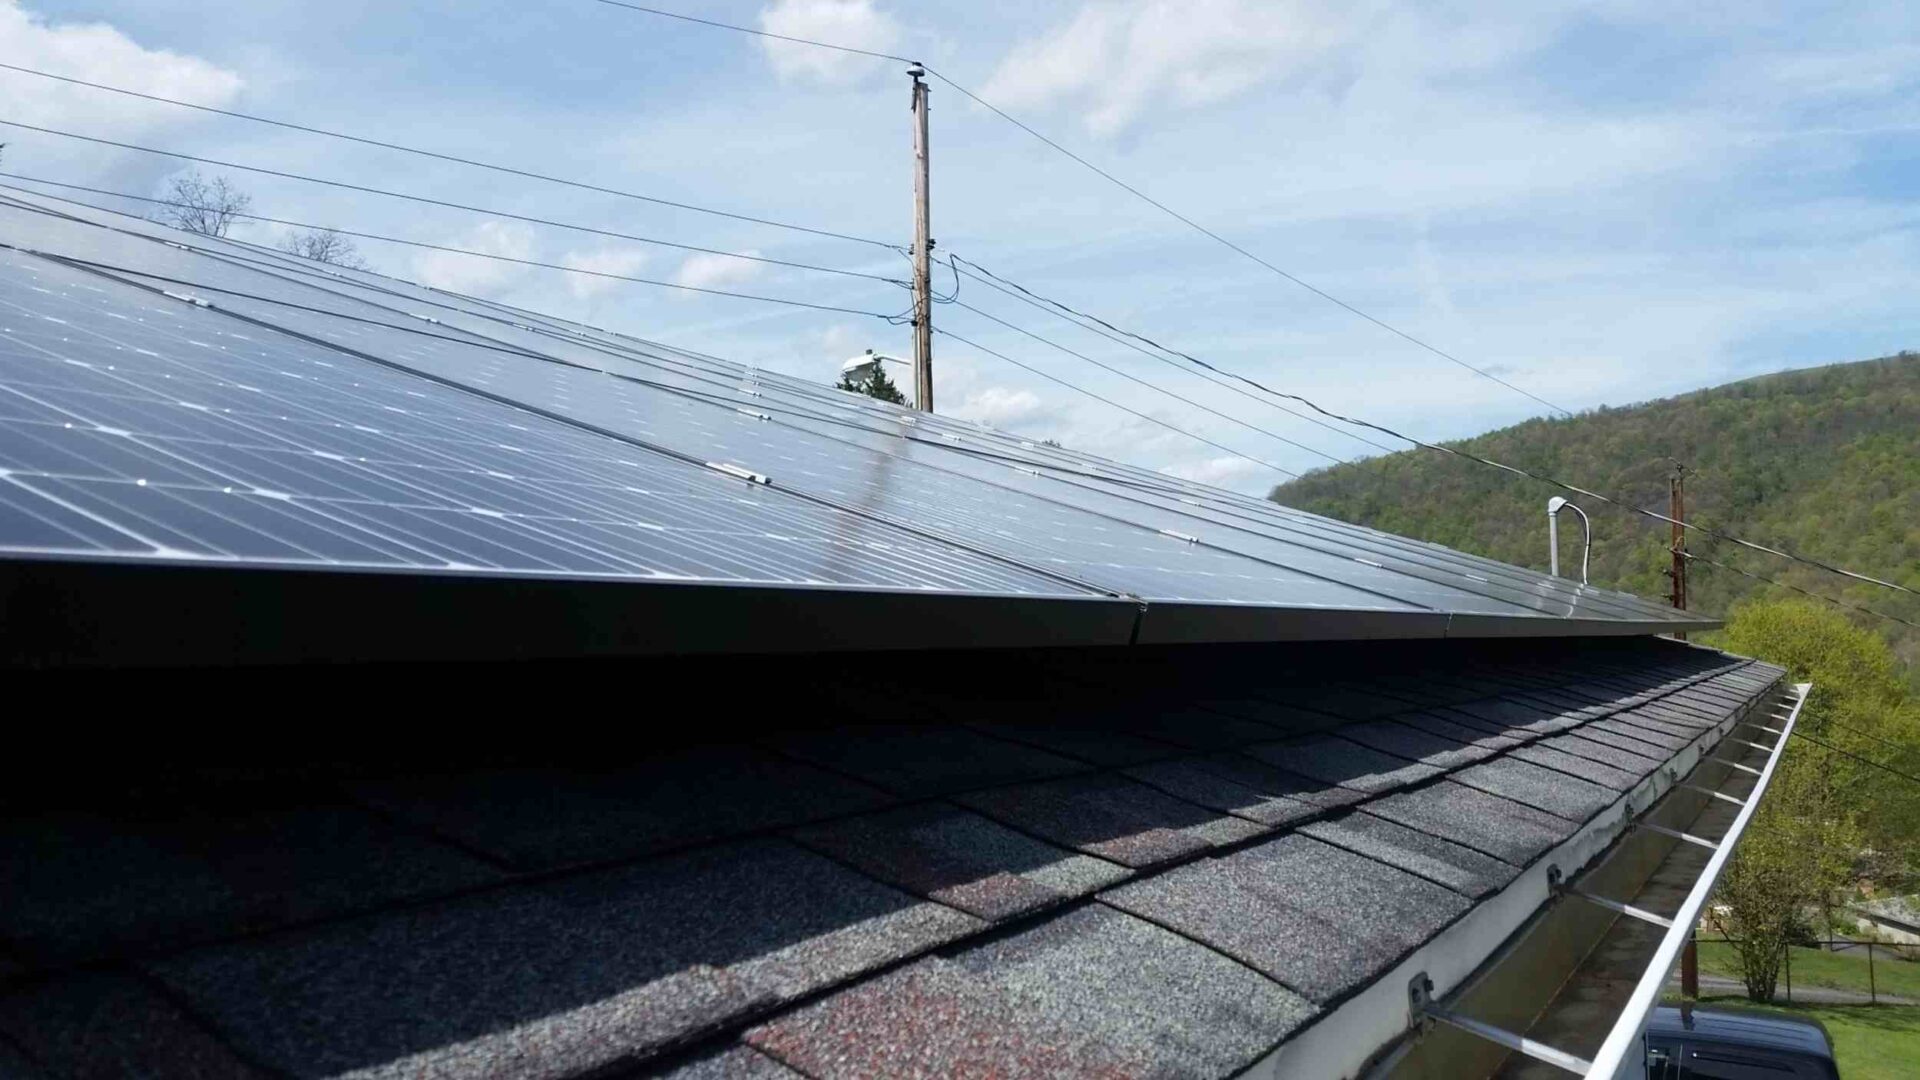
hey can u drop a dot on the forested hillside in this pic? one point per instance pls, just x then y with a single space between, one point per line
1824 461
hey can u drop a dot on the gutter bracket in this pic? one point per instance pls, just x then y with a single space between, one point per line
1678 835
1423 1013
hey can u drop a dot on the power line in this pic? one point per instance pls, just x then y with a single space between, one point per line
756 33
1109 401
1230 245
429 201
1129 339
1143 382
108 267
465 251
479 254
1691 557
454 159
1909 777
1517 471
1112 179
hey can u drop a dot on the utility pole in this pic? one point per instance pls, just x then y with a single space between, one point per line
922 251
1677 510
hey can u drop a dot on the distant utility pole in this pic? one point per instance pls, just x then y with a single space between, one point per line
922 251
1677 510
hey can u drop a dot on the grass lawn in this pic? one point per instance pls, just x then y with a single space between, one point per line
1817 967
1871 1042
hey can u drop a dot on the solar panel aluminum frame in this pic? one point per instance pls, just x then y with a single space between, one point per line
65 611
843 624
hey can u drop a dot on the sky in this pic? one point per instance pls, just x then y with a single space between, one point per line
1600 202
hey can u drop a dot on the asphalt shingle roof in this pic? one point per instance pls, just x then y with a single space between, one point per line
772 895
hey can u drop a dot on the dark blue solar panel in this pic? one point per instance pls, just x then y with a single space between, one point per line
1122 529
135 424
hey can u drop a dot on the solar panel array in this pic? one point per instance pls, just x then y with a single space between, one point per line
174 398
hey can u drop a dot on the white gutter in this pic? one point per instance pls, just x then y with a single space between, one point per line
1623 1054
1340 1043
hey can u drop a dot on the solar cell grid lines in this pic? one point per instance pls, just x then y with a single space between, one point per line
862 495
138 425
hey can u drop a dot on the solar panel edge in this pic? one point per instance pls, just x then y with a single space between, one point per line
1168 620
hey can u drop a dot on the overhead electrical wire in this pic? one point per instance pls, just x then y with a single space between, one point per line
851 311
1109 401
481 254
1517 471
1143 382
1112 179
444 203
1130 340
643 9
1829 747
451 158
866 240
1691 557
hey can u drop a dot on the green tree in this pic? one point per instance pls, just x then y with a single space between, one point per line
872 381
1828 819
1824 460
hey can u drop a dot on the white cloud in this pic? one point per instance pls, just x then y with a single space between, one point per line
999 406
470 274
98 52
853 23
705 271
1225 472
1114 60
621 261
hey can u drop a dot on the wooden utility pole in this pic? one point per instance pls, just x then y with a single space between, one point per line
1677 510
922 252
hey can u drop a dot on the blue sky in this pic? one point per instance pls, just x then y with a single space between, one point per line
1602 202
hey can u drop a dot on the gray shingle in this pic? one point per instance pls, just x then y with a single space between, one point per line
1190 726
961 859
1267 780
1112 817
1587 769
579 973
1094 743
1627 761
1458 868
1507 830
926 760
79 886
1619 726
1543 789
1320 920
1189 780
1594 734
1401 740
1338 761
734 1062
105 1024
1090 993
1284 719
553 817
1510 713
1452 729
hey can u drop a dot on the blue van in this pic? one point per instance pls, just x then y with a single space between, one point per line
1737 1044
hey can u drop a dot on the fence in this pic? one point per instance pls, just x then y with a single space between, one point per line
1832 971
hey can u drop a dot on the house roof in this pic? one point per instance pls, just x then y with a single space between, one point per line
186 408
1160 862
710 828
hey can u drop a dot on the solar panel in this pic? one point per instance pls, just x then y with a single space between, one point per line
132 424
284 412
